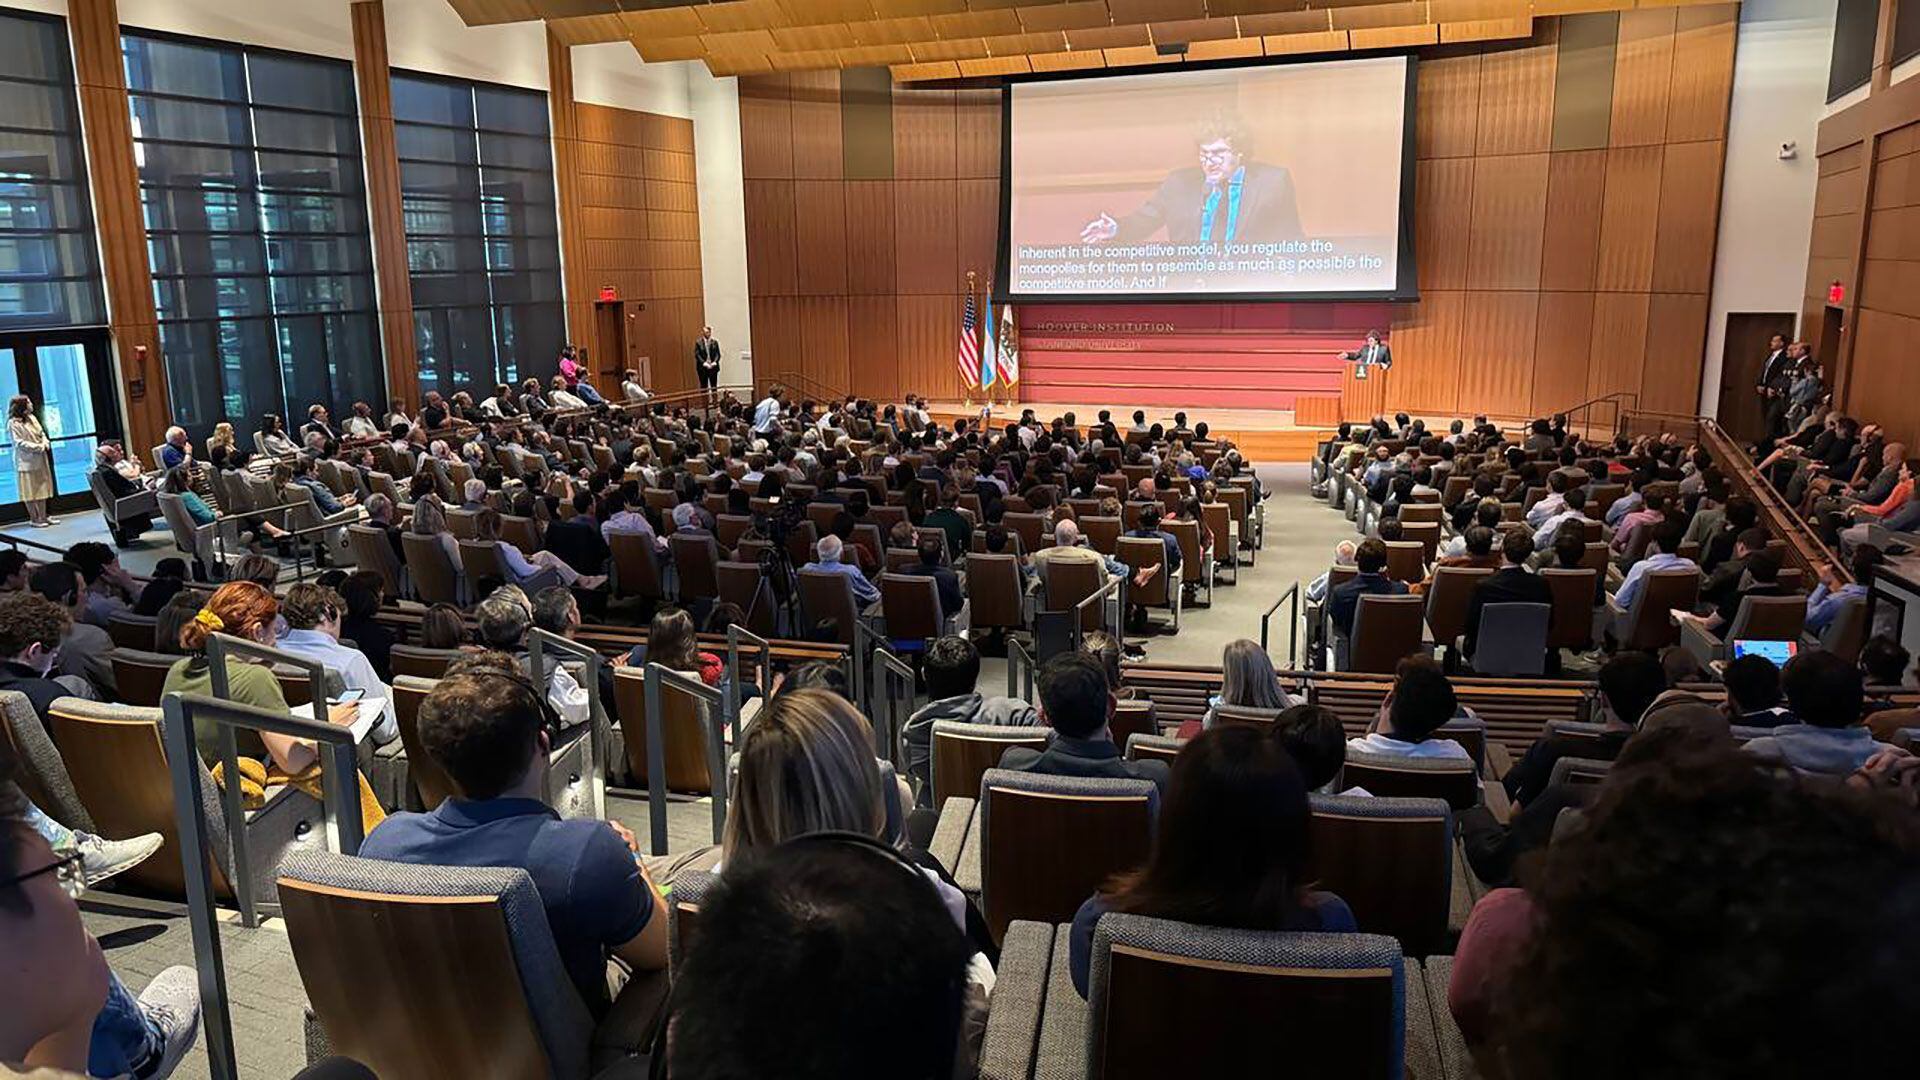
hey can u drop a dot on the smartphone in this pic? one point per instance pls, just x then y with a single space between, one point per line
350 695
1777 651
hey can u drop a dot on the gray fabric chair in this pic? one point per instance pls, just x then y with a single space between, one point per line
1512 639
1346 998
1007 1051
119 512
1455 1061
307 515
43 776
1759 618
206 545
564 1026
372 551
690 890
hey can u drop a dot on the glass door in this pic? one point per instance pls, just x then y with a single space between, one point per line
68 375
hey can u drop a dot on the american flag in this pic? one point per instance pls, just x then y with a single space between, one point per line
969 359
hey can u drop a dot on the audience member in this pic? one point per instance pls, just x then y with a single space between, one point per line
1825 694
951 668
1420 703
1075 703
1231 849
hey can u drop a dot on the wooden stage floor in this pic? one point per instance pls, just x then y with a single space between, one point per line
1264 435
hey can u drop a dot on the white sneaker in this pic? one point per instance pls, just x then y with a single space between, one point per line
171 1003
101 859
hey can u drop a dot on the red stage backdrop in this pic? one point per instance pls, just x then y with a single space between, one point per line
1239 356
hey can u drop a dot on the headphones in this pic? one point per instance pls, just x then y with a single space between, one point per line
532 698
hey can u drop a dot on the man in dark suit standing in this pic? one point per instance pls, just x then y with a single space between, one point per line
706 359
1076 703
1511 584
1374 353
1226 198
1776 378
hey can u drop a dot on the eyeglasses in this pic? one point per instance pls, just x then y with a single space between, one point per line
68 869
1226 154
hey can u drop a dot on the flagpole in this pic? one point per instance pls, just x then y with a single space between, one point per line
967 390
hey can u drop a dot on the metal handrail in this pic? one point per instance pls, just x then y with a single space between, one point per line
1810 549
1019 662
21 541
599 726
219 648
657 678
858 673
339 807
735 634
1115 584
815 388
1293 622
891 668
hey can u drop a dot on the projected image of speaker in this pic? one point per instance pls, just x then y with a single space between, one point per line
1271 181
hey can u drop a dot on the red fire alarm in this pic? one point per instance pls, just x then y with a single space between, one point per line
1836 294
607 293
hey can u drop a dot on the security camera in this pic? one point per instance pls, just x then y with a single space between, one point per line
1789 151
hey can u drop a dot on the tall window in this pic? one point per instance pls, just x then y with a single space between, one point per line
49 269
251 182
476 176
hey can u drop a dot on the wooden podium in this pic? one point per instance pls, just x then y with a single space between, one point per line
1363 398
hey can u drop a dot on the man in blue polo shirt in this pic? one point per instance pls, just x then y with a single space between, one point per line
484 726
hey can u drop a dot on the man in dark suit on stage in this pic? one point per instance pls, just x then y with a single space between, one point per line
1225 198
1374 353
706 359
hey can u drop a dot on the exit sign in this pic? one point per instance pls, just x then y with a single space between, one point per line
1836 294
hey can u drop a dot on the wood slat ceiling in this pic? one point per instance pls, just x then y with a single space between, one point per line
952 39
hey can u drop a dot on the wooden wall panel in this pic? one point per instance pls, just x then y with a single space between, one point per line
926 236
1576 194
814 112
976 118
1442 221
1629 217
1516 100
772 259
1702 72
820 236
1615 359
1561 349
1642 77
1447 121
823 338
766 127
1426 338
925 140
1676 339
1688 221
978 226
873 349
870 250
1509 210
928 332
1501 327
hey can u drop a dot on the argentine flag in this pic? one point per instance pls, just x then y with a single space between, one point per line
989 353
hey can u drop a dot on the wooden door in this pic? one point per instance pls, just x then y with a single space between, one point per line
1748 335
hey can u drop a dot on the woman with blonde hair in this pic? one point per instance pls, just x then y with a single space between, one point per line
32 460
806 766
247 611
430 520
1247 681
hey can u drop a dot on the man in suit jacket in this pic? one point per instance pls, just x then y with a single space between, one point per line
706 359
1076 703
1776 376
1374 353
1223 199
1511 584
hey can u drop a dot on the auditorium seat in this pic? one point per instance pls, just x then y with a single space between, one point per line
690 739
1391 860
1163 590
1447 600
1196 561
746 587
1759 618
635 567
1449 779
140 676
436 579
1154 748
826 595
1574 592
1406 561
1047 842
1385 630
420 661
130 631
1175 999
694 560
1649 624
961 754
118 764
42 774
1512 639
994 596
390 955
372 551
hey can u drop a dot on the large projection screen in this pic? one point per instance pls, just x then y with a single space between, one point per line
1289 181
